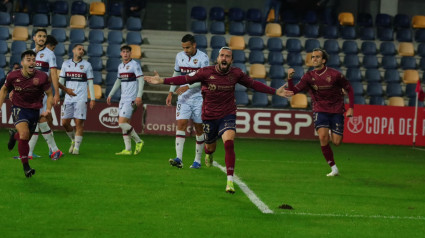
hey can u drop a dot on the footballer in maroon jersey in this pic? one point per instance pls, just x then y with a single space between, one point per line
327 87
29 86
219 107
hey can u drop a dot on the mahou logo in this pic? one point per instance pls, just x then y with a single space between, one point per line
108 117
355 124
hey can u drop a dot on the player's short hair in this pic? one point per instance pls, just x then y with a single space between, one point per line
51 40
28 52
225 48
325 54
78 44
125 47
188 37
38 30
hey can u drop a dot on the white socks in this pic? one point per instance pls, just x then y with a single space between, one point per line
199 148
180 139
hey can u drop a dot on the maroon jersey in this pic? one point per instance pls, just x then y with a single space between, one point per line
27 92
218 89
325 88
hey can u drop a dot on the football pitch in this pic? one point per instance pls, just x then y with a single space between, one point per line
380 193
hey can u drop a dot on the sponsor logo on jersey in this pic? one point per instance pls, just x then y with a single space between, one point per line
315 87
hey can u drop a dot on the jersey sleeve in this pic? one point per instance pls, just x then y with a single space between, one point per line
205 61
89 71
138 70
52 61
63 71
8 82
176 64
47 83
196 76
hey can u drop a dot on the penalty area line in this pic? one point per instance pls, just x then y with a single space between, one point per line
416 148
354 216
248 192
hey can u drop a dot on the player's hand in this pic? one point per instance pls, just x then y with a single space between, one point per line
56 99
154 79
92 103
283 92
182 89
349 112
169 99
46 113
11 95
70 92
291 73
108 100
138 101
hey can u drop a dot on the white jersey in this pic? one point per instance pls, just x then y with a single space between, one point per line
128 73
45 60
185 65
76 75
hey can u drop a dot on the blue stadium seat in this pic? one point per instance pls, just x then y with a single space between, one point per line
369 48
294 59
59 61
116 97
292 30
199 27
239 56
60 49
351 61
422 63
383 20
293 45
394 90
279 102
3 61
367 33
3 47
96 36
237 28
354 75
60 7
198 13
113 51
277 72
217 42
404 35
4 33
255 29
96 63
389 62
372 76
42 7
331 46
310 17
77 36
350 47
96 22
241 66
402 21
333 61
217 27
254 15
78 8
260 99
214 55
115 37
97 77
410 90
201 41
112 64
15 58
236 14
370 62
377 100
59 20
21 19
385 34
392 76
387 48
420 35
70 48
408 62
255 43
420 51
348 32
277 83
359 100
289 16
274 44
115 23
241 98
365 20
18 47
216 14
2 76
40 20
135 38
311 31
357 88
412 103
330 32
275 58
256 57
5 18
311 44
111 77
240 87
299 72
95 50
115 9
134 24
374 89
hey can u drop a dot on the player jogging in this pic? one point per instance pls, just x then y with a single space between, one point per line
130 78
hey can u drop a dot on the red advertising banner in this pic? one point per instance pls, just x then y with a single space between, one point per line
385 125
103 118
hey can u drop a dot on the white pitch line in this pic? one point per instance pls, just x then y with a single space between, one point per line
354 216
248 192
416 148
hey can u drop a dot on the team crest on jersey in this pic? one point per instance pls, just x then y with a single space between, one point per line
127 67
328 79
195 61
315 87
41 55
212 87
35 81
212 77
230 78
81 67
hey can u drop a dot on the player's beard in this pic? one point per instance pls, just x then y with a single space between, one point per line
224 67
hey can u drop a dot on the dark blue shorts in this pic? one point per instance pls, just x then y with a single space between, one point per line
333 121
28 115
213 129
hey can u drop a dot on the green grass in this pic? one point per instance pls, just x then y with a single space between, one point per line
381 192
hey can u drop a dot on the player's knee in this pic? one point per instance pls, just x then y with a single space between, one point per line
337 142
24 135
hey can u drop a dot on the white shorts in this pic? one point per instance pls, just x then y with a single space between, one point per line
192 110
77 110
43 109
126 109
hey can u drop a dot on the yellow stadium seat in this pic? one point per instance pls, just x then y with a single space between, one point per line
136 51
406 49
97 91
273 30
410 76
308 61
20 33
257 71
346 19
77 21
97 8
418 21
237 43
299 100
396 101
